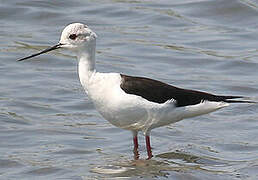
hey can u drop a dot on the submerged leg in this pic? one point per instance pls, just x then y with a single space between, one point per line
135 142
148 146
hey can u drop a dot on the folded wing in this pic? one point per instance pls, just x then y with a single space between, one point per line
159 92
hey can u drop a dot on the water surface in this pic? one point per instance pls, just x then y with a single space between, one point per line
49 128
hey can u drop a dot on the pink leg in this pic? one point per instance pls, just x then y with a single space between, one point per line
135 142
148 146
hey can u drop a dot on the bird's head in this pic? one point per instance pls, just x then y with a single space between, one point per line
75 36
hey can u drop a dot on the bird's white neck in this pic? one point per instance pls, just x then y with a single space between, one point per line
86 57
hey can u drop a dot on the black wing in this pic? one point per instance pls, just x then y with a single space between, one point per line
160 92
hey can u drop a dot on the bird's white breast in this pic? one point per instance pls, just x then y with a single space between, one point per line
117 107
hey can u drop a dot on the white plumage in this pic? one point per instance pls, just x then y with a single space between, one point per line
129 109
133 112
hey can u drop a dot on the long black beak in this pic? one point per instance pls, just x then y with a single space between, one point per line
42 52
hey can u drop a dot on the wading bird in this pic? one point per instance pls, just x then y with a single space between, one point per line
133 103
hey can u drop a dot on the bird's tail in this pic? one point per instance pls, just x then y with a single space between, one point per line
234 99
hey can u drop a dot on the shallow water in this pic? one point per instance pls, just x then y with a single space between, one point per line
49 129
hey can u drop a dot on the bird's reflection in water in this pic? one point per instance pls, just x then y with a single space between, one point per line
162 165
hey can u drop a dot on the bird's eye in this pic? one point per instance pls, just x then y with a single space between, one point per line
73 36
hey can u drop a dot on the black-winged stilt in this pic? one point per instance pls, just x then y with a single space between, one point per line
133 103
